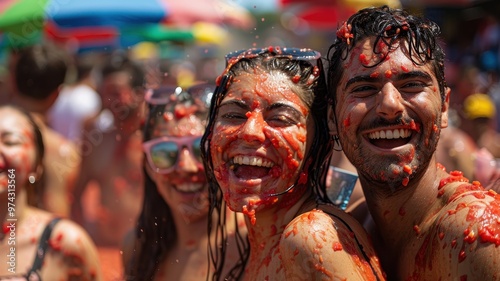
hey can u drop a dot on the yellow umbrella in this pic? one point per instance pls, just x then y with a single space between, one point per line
209 33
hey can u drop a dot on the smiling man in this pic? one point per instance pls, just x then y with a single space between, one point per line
390 102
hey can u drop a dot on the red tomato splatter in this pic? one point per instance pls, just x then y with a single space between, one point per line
455 176
347 122
440 167
303 178
294 231
407 169
405 181
363 59
416 228
250 214
461 256
470 236
414 126
344 33
337 246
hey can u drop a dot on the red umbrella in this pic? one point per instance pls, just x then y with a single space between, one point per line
325 14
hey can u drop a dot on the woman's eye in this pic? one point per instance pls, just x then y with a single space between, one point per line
233 115
12 141
281 120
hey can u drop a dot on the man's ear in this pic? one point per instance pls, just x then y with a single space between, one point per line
445 107
332 122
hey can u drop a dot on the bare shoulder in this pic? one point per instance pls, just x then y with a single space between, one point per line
322 245
77 249
467 230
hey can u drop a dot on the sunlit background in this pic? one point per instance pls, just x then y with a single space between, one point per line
199 29
198 33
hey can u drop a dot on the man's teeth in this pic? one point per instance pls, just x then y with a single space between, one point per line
390 134
252 161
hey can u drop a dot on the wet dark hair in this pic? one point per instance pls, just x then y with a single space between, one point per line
390 26
40 70
34 191
118 62
313 93
155 233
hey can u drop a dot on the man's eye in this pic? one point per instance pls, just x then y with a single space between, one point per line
363 88
414 84
363 91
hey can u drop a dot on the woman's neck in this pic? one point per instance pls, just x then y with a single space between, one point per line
272 221
191 234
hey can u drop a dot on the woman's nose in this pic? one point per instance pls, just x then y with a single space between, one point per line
187 162
253 129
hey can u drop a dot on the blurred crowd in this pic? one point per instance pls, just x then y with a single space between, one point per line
91 110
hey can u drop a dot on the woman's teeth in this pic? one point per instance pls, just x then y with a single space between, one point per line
189 187
252 161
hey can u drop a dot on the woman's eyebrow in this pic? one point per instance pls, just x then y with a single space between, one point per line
281 105
238 103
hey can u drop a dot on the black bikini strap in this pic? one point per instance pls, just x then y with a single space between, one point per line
42 246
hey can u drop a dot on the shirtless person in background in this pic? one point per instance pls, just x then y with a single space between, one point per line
37 75
112 156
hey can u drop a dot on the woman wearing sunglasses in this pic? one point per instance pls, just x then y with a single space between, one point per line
266 151
170 239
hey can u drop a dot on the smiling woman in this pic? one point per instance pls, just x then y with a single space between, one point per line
171 238
37 244
267 154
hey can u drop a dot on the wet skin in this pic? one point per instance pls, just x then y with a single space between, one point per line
185 188
70 254
259 145
429 225
261 130
17 150
396 97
